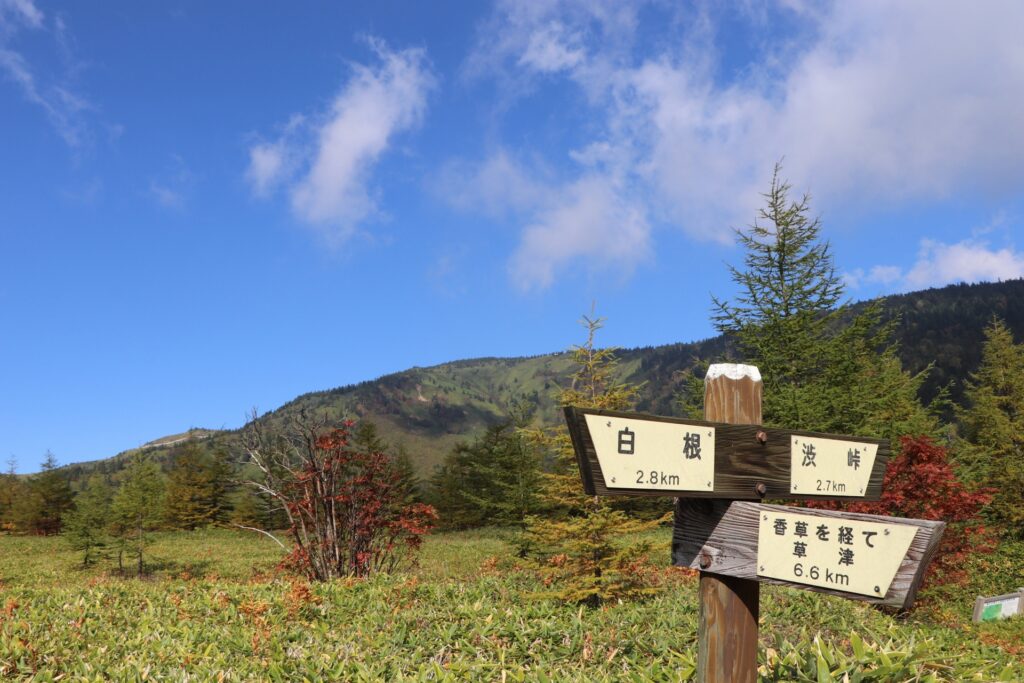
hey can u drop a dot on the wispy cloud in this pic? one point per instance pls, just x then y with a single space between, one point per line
171 188
23 11
165 196
325 160
594 220
271 163
596 217
876 275
84 194
877 103
498 186
64 108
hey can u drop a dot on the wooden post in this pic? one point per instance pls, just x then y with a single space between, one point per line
729 607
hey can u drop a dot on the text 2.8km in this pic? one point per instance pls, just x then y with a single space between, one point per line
656 478
814 574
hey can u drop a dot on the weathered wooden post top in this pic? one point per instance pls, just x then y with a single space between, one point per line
717 469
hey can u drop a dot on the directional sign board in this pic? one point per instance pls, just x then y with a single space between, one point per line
830 467
862 557
623 453
653 455
846 554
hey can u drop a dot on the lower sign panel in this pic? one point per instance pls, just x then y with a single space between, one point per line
839 553
727 537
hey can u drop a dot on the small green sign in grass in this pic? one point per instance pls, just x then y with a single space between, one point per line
998 607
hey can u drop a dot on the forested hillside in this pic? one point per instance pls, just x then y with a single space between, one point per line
429 410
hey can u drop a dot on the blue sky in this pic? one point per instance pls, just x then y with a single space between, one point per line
206 207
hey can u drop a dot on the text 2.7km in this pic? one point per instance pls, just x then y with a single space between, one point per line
657 478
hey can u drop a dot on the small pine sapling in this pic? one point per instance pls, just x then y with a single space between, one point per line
579 546
85 528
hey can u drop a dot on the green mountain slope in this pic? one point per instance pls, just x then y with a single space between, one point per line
428 410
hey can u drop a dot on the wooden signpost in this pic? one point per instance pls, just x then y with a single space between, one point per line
646 455
714 467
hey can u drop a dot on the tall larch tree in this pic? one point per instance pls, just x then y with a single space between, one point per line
824 367
196 487
137 509
11 489
85 527
579 545
44 500
993 426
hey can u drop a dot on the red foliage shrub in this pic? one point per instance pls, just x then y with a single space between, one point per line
920 483
346 507
347 514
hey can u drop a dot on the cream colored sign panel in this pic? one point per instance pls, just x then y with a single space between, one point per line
842 554
829 467
647 454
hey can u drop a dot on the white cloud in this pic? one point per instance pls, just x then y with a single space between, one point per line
592 220
596 218
967 261
550 49
266 166
875 103
941 264
883 275
24 11
327 176
499 186
272 163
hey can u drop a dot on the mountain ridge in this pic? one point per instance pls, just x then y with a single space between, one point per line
427 410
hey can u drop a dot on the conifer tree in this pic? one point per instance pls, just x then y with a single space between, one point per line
450 488
86 527
408 481
578 545
137 508
249 509
993 426
196 487
366 437
494 479
11 489
44 500
824 368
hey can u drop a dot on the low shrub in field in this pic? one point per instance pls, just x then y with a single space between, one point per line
583 559
346 507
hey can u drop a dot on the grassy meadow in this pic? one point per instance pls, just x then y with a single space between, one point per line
215 608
